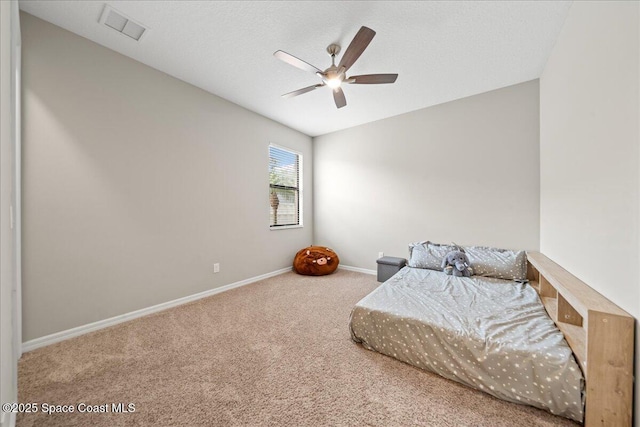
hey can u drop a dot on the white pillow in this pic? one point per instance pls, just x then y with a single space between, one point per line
499 263
428 254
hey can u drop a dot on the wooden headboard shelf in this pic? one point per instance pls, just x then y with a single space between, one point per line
600 334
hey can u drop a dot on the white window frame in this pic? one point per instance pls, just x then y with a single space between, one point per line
300 188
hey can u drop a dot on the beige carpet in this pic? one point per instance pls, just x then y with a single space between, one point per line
273 353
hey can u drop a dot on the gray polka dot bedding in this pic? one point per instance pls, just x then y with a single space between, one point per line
491 334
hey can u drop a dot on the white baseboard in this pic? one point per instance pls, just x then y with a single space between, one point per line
101 324
358 269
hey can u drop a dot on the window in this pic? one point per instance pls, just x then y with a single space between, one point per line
285 187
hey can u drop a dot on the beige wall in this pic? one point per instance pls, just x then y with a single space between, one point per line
8 365
135 183
465 171
589 151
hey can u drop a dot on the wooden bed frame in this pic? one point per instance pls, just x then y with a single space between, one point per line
600 334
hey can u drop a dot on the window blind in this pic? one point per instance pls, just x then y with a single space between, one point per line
284 187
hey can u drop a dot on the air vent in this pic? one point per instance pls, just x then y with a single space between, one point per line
118 21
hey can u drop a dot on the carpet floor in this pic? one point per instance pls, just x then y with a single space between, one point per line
274 353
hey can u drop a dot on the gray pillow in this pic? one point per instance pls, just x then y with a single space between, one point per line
499 263
428 254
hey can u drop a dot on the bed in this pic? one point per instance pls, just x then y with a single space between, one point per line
503 337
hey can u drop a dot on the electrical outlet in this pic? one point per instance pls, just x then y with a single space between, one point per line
380 254
216 268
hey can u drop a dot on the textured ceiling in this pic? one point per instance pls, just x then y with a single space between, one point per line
441 50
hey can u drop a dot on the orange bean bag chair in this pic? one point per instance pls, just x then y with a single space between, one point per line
315 261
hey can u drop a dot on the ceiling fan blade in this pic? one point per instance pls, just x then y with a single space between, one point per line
296 62
338 97
301 91
373 79
357 46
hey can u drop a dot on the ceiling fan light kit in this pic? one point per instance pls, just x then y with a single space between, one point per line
336 75
332 76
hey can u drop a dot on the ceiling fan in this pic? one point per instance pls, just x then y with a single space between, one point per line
335 76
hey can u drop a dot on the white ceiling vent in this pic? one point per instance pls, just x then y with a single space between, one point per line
121 23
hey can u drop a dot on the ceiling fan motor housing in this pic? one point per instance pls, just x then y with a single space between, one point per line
332 77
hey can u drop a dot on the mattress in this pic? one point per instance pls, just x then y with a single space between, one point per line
490 334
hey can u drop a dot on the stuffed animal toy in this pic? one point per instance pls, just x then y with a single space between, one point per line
315 261
457 263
